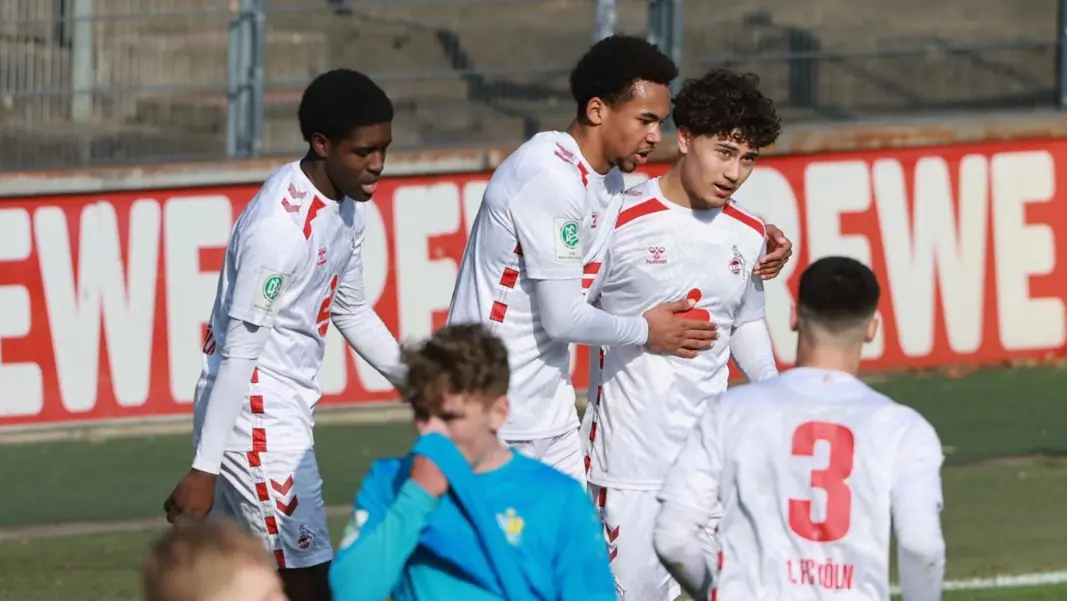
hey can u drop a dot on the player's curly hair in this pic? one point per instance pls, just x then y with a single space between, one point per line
338 101
610 67
729 104
457 359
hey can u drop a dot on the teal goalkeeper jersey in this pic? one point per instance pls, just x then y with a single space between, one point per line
404 544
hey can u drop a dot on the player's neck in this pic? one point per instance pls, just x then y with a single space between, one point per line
828 358
670 184
315 170
590 146
494 458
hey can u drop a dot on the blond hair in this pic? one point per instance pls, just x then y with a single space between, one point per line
196 560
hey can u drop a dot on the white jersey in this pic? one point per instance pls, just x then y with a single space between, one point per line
545 213
646 403
810 468
289 253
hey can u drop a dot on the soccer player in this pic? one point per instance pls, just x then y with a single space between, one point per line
544 219
413 532
808 470
679 235
211 560
293 264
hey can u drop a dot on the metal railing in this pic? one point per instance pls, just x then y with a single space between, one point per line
85 82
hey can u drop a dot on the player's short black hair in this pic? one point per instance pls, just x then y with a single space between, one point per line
725 103
838 293
457 359
339 101
610 67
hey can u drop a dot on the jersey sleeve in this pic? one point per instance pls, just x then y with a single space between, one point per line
916 505
753 301
689 502
693 479
582 567
265 256
351 293
379 538
547 218
361 326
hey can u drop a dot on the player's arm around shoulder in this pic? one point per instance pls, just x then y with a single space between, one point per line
389 513
582 566
775 247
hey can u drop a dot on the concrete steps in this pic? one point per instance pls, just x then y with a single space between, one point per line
466 73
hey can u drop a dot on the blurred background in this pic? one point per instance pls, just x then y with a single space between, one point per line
92 82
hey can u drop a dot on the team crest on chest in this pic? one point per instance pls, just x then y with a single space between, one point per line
512 525
737 264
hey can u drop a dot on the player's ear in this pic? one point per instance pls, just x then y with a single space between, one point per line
595 111
872 330
685 139
321 145
794 318
498 412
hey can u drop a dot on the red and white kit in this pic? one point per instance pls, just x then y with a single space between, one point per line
643 405
292 263
544 215
807 471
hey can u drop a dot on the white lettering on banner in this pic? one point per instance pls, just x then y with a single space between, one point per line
768 194
124 295
1023 251
931 244
191 223
21 383
833 188
938 231
423 282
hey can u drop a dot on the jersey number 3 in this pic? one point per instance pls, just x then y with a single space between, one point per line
831 480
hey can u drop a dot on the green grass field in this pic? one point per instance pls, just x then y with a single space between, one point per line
1005 488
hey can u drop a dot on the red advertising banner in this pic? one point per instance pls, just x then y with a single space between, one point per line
103 297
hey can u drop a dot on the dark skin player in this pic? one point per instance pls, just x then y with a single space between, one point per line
339 166
622 94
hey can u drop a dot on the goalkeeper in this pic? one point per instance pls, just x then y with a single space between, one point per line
463 516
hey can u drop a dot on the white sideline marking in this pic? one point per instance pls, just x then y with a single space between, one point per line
1019 580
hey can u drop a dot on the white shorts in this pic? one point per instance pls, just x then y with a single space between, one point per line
278 497
563 452
629 518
